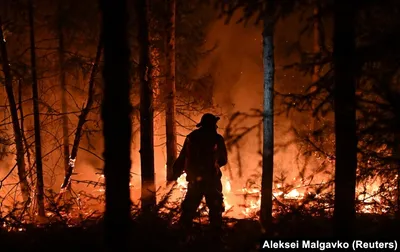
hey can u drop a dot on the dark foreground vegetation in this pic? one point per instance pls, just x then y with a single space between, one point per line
158 233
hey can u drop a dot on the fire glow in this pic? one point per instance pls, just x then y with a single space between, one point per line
239 203
244 202
252 202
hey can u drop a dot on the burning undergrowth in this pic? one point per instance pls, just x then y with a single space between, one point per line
300 207
72 209
299 194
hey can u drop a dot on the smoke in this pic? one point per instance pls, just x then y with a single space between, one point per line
237 68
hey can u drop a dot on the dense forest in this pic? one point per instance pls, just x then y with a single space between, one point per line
98 97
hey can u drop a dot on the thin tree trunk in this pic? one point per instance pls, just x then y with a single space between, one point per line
148 194
21 115
170 89
63 84
345 116
20 155
316 39
117 127
156 73
82 118
317 43
36 117
396 167
268 136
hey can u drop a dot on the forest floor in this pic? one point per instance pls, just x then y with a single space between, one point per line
239 235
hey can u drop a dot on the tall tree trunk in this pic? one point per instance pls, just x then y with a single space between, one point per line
117 126
316 39
268 136
396 167
156 73
148 194
14 117
63 85
317 44
345 116
170 89
82 118
36 117
22 120
156 81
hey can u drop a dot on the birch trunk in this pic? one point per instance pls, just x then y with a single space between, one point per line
268 126
82 119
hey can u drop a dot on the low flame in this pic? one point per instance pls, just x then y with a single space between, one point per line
253 205
182 185
181 182
234 198
253 195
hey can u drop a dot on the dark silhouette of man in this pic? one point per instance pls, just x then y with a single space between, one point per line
203 154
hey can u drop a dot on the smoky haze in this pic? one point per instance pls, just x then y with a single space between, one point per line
236 66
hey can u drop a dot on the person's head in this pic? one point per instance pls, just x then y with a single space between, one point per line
208 121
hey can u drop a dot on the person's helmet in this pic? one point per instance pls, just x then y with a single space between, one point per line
208 120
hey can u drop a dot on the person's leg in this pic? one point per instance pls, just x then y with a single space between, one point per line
190 204
215 203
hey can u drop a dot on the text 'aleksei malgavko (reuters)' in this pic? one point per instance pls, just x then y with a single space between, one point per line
334 245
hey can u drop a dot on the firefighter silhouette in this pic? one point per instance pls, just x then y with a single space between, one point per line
203 154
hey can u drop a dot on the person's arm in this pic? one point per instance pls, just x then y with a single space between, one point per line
222 152
179 164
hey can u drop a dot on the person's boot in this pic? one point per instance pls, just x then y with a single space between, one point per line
217 232
185 230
